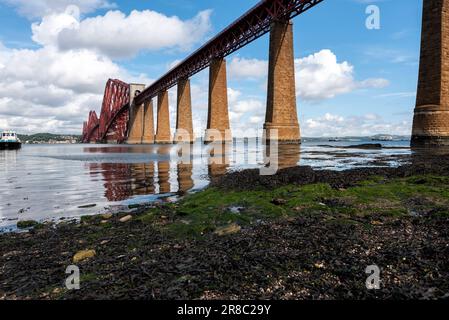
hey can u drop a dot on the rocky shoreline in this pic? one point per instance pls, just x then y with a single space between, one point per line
302 234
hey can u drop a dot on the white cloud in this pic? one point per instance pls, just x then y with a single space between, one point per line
249 105
46 32
173 64
242 107
320 76
256 120
332 125
40 8
53 88
56 88
118 35
233 95
248 68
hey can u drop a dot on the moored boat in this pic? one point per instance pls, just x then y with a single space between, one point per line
382 138
9 141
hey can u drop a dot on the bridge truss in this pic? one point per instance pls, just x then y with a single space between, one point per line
252 25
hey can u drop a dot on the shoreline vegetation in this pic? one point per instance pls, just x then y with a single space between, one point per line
44 138
301 234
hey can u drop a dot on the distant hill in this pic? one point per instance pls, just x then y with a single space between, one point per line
49 138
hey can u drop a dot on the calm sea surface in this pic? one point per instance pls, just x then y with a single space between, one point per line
55 182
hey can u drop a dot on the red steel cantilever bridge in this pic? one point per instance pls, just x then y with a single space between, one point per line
113 125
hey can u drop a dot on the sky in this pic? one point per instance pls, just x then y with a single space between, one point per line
57 55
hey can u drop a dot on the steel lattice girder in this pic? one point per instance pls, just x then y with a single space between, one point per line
251 26
83 139
91 128
115 103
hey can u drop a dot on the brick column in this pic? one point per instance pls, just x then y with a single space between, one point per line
281 111
163 119
148 123
184 125
218 117
136 125
431 120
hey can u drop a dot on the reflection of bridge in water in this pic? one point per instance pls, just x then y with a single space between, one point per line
170 173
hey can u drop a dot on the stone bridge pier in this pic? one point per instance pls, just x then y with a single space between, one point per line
184 124
218 128
136 116
163 135
431 120
134 122
281 120
148 129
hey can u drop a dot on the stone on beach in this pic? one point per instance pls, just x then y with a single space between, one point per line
126 218
107 216
83 255
230 229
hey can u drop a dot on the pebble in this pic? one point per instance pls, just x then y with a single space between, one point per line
126 218
83 255
107 216
230 229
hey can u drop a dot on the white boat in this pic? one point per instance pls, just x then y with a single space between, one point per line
9 141
382 138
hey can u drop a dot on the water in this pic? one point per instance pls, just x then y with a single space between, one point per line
54 182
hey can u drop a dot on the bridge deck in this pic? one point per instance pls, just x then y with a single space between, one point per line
249 27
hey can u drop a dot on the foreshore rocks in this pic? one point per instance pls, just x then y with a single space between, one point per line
315 247
303 175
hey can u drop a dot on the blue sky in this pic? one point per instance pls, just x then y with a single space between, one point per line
56 58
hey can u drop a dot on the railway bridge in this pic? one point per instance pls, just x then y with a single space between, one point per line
127 113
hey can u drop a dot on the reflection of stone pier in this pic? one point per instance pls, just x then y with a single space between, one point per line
124 180
163 174
282 156
218 162
185 180
185 167
143 176
116 178
163 170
